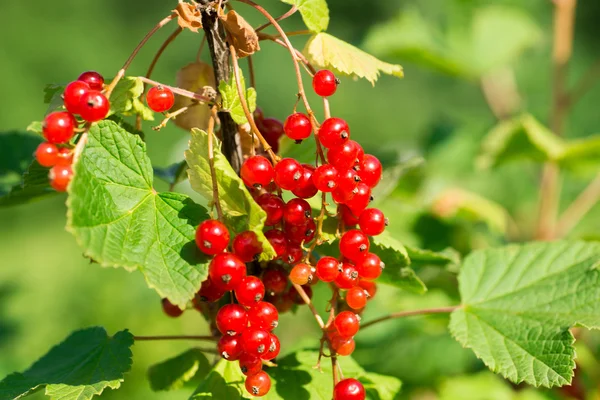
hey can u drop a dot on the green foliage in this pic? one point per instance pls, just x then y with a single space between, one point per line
525 138
121 221
315 13
241 213
225 381
496 37
34 186
231 100
420 257
17 154
518 303
173 373
484 386
327 51
173 174
82 366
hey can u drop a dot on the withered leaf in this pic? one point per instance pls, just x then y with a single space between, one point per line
194 77
188 17
243 36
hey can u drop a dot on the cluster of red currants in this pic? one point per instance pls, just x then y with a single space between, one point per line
349 175
82 97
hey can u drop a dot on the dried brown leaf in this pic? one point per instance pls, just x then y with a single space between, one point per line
194 77
243 36
188 17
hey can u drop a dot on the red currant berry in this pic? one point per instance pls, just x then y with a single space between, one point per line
93 106
347 216
360 199
328 269
230 347
348 278
46 154
372 222
346 323
277 239
346 185
288 173
349 389
65 156
232 319
256 341
212 237
356 298
297 127
325 178
250 364
297 212
369 287
250 291
93 79
334 132
246 246
263 315
370 170
273 206
272 129
160 99
258 115
274 348
210 292
226 271
342 346
258 385
60 176
293 253
257 172
325 83
72 95
306 188
344 157
171 309
369 266
59 127
354 244
301 234
275 280
301 274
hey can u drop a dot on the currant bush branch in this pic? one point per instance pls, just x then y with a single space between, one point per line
121 72
211 162
288 14
172 115
203 98
403 314
579 208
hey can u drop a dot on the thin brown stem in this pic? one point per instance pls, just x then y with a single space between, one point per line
585 83
307 65
402 314
244 103
121 72
310 305
211 162
179 91
288 14
336 370
174 337
251 71
564 22
579 208
162 49
172 115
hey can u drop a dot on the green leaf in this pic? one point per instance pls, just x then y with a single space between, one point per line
225 381
295 378
231 101
458 203
125 99
520 138
82 366
421 258
484 386
175 372
241 211
34 186
16 154
518 303
53 96
121 221
35 127
315 13
397 271
459 49
173 174
327 51
580 153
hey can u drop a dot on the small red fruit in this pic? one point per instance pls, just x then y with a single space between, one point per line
288 173
212 237
93 106
250 364
274 348
46 154
356 298
334 132
210 292
256 341
93 79
297 127
59 127
301 274
258 385
72 95
297 212
306 187
348 278
275 280
273 206
60 176
328 269
370 170
325 178
369 266
160 98
230 347
324 83
277 239
246 246
349 389
263 315
347 324
250 291
354 244
232 319
171 309
257 171
226 271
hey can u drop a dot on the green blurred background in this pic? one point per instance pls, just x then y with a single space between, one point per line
47 289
